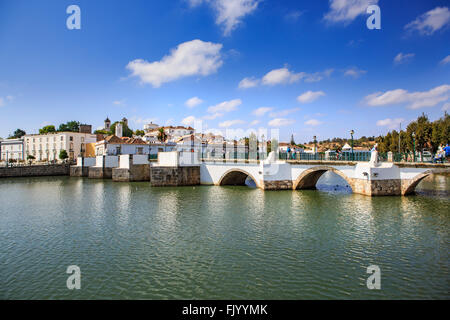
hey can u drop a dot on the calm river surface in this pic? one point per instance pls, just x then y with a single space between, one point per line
132 241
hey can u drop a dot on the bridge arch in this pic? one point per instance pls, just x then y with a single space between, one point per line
308 178
236 177
409 186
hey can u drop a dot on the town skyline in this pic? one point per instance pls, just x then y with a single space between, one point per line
214 65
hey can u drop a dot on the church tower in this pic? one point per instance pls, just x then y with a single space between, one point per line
107 124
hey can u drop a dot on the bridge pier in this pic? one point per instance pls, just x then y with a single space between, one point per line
132 168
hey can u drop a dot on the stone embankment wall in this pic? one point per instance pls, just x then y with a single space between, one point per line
76 171
136 172
389 187
35 171
100 173
174 176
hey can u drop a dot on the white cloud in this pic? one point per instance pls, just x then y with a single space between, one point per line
310 96
431 21
261 111
193 102
229 12
143 120
415 100
390 123
284 76
248 83
229 123
403 57
225 106
293 16
190 58
194 3
313 122
280 76
189 121
354 72
281 122
347 10
446 60
317 76
283 113
119 102
446 106
5 100
213 116
254 122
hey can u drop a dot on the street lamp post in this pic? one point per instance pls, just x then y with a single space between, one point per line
315 146
414 146
352 132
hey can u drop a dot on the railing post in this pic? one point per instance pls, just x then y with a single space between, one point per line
390 156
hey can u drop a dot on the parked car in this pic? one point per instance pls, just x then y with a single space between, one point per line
427 156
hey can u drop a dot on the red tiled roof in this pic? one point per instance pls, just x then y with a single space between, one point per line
124 140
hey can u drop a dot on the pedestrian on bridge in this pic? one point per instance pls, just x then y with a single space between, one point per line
447 152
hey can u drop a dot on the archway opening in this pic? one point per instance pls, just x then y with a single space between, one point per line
429 183
324 179
238 178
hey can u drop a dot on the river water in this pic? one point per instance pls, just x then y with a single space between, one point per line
132 241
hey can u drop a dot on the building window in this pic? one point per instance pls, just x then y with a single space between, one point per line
71 138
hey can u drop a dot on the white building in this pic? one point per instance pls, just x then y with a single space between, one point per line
46 147
283 147
114 146
172 133
12 149
150 127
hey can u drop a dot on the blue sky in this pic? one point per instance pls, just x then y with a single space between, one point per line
304 67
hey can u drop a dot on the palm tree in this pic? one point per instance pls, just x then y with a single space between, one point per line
162 135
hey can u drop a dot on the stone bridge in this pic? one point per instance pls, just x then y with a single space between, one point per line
177 169
368 178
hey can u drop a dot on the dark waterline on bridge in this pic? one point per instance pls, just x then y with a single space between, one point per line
134 241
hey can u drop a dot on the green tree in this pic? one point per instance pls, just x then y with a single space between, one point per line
102 132
140 133
19 133
70 126
126 131
292 140
162 135
47 129
63 154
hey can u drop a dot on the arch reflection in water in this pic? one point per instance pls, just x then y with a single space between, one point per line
237 177
329 181
434 185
